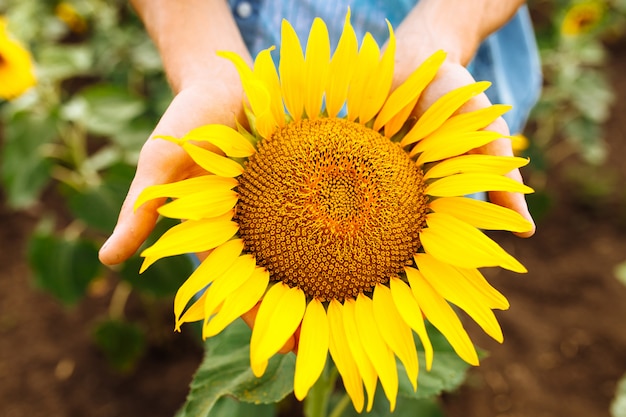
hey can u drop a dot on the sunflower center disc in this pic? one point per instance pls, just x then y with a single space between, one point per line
331 207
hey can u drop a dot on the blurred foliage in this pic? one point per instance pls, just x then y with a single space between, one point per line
573 38
77 135
122 342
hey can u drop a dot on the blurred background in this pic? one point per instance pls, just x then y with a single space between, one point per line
77 339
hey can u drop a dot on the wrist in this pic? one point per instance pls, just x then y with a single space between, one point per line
188 35
456 26
430 27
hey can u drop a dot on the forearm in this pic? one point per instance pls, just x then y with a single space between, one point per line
188 33
456 26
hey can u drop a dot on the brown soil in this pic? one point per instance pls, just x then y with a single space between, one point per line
565 343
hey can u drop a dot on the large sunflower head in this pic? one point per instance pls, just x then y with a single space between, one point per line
341 214
16 66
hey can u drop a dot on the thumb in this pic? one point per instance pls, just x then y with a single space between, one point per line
157 165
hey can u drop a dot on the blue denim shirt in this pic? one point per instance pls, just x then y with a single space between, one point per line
508 58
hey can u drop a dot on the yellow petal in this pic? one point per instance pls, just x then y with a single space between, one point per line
245 73
380 82
441 315
17 71
393 126
487 164
291 69
238 302
265 71
231 142
366 60
182 188
195 312
452 285
212 162
395 331
260 102
376 349
191 236
312 348
443 147
279 316
489 295
481 214
410 311
238 273
342 356
215 264
441 110
471 121
316 66
201 205
408 92
366 368
456 242
464 184
342 67
256 92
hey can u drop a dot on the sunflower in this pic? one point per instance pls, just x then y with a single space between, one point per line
582 17
341 215
16 66
66 13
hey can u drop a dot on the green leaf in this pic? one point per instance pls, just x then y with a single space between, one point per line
104 108
226 371
230 407
123 343
618 406
61 266
99 206
25 170
59 62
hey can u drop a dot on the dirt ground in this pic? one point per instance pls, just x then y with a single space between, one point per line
565 333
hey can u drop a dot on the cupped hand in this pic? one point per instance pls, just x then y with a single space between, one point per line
162 162
453 75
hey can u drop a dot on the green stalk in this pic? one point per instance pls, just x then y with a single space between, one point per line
340 407
316 401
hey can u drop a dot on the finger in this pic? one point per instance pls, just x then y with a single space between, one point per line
451 77
510 200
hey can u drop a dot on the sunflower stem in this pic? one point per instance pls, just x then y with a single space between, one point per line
316 402
340 407
118 300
